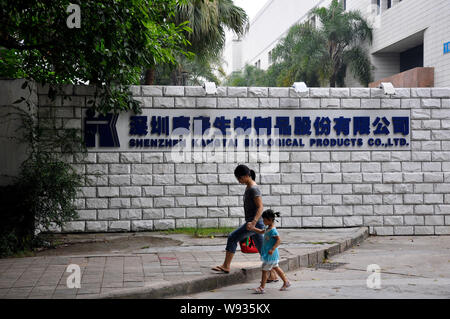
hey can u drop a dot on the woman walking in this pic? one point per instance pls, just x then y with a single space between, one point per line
253 208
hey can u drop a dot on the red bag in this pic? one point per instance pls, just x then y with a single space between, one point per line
248 246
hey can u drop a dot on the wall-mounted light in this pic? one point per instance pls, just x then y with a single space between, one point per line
388 88
300 87
210 87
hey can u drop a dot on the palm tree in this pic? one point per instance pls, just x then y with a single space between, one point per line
300 56
324 54
208 20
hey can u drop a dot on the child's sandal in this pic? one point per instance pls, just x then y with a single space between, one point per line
285 287
259 291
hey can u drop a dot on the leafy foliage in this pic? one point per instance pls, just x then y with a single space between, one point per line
344 32
318 56
300 56
43 195
51 187
48 183
208 20
250 76
117 39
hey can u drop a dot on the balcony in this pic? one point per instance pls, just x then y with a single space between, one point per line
414 78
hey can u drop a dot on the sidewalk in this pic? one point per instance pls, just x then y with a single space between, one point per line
158 272
411 267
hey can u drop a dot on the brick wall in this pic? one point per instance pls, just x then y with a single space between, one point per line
393 192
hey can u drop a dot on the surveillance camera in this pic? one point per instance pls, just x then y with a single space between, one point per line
388 88
300 87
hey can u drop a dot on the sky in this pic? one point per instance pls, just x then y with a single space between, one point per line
250 6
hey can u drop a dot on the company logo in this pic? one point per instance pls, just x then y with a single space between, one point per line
446 47
104 126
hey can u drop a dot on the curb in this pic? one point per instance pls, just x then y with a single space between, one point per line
237 276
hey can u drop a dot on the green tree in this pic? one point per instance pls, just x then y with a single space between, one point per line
299 57
321 56
116 40
249 76
208 20
190 71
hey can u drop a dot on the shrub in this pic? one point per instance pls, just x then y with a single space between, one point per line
43 195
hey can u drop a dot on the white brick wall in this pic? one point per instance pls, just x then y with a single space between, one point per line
392 192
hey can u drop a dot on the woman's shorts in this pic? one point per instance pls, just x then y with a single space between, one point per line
268 267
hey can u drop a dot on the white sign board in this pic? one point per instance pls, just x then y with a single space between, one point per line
242 129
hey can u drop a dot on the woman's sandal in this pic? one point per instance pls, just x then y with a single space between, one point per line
285 287
220 269
258 291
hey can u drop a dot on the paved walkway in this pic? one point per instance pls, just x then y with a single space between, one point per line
410 268
156 272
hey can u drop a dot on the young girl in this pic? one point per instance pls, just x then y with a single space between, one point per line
269 251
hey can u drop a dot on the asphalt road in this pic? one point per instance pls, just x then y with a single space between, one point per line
410 267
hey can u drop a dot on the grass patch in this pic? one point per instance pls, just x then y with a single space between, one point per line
23 253
201 232
322 242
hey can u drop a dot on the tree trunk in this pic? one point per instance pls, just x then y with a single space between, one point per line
333 81
174 77
150 76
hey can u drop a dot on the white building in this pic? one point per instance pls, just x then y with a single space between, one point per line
407 34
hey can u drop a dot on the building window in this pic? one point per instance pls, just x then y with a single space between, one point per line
389 4
270 57
376 7
344 4
258 64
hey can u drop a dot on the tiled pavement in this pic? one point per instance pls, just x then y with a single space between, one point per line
46 277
